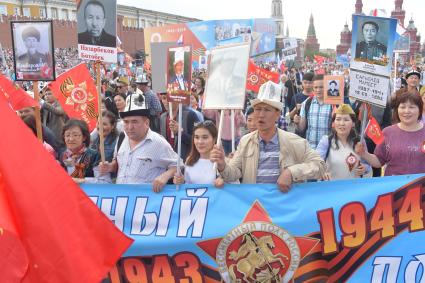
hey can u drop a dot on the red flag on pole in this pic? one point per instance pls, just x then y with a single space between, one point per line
258 76
14 95
374 132
77 94
50 231
319 59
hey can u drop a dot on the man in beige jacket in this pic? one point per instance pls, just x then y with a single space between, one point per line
270 155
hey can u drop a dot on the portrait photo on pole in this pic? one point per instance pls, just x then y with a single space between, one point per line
97 30
33 50
179 74
121 59
372 44
334 90
226 80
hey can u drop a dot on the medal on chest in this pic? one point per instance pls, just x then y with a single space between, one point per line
351 161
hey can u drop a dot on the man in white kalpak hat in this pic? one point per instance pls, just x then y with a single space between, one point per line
143 157
269 154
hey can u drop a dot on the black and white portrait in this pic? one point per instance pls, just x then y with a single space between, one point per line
370 48
97 22
333 88
226 81
33 50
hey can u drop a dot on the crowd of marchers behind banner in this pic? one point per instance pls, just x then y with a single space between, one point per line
285 134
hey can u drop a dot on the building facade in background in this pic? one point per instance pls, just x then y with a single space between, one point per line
311 43
130 25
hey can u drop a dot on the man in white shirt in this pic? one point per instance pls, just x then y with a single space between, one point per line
144 156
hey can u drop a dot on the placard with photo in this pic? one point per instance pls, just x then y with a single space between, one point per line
227 73
179 74
33 50
334 89
97 30
372 44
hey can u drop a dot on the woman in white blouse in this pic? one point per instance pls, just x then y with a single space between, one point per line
337 149
198 167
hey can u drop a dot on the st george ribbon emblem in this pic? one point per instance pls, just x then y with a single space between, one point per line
257 250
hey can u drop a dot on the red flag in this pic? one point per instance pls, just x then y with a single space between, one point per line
258 76
50 231
283 67
16 96
319 59
374 132
77 94
320 71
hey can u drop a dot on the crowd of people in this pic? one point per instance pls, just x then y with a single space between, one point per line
285 134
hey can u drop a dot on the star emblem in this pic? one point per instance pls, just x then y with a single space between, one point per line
258 250
79 96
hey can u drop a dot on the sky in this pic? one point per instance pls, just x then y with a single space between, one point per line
329 15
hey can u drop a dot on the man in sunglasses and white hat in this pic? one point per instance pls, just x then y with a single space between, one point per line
413 79
143 156
270 155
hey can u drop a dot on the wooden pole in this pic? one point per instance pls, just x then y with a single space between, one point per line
364 121
170 111
100 118
232 123
396 56
220 130
38 125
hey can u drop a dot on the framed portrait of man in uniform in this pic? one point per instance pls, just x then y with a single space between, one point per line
334 90
226 80
372 44
33 50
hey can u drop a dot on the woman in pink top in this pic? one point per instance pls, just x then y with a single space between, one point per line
403 149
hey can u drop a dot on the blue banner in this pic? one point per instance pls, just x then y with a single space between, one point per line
360 230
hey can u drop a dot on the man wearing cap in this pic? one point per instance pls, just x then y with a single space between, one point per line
413 79
370 48
152 100
32 60
143 157
122 86
270 155
95 20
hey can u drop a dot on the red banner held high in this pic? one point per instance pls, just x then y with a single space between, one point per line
77 94
14 95
258 76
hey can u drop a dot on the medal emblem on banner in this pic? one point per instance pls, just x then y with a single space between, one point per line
258 250
76 92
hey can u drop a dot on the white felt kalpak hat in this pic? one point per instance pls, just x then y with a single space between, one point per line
179 56
135 105
270 93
